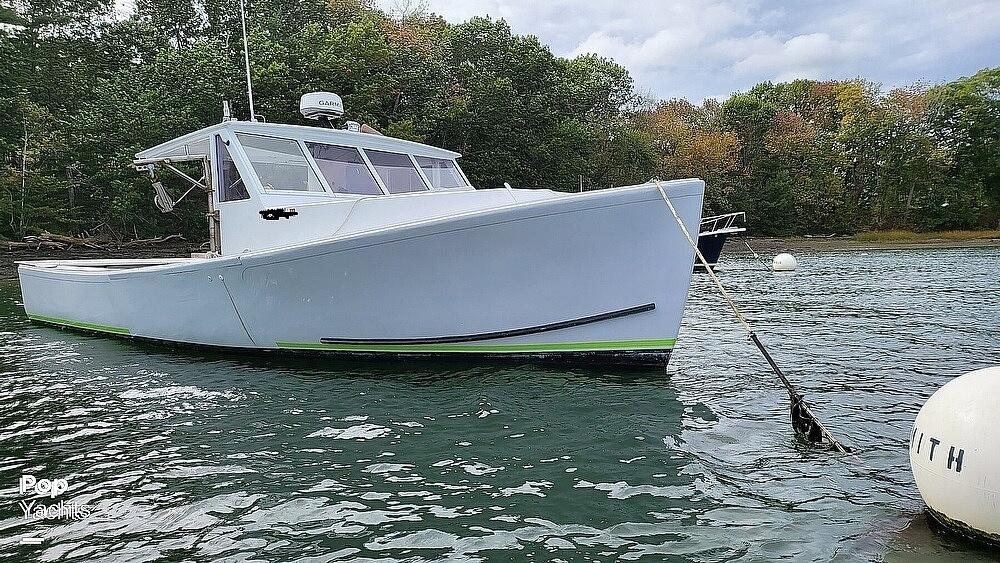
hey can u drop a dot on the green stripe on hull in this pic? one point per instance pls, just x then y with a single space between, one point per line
79 324
623 345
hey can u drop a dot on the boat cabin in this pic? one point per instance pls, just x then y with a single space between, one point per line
309 162
271 185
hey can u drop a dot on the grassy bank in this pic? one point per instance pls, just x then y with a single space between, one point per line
912 236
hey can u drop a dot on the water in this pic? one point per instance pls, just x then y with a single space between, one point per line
181 455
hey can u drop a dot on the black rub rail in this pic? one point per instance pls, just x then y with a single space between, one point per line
500 333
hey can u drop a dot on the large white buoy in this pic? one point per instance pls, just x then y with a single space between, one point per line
955 454
784 262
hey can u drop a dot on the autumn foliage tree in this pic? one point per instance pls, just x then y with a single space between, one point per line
840 157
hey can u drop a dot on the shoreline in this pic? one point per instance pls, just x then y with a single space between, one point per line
865 241
8 257
868 241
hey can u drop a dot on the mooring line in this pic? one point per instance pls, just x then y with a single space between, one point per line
755 255
803 419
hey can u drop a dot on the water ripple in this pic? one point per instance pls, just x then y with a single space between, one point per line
186 455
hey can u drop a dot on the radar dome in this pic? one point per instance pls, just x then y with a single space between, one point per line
323 106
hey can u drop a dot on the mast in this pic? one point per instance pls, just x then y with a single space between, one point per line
246 57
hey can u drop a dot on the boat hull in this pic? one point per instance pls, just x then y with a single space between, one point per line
711 246
580 278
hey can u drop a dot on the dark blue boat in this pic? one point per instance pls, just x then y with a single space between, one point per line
713 234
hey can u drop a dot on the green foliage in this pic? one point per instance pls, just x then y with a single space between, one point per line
87 90
965 118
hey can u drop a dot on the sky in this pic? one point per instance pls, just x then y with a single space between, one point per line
698 49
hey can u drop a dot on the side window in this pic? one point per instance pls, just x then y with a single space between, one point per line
344 169
231 187
442 172
279 163
397 172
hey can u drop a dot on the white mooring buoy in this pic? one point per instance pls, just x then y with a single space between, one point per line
784 262
955 454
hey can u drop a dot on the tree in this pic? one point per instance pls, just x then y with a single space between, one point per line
690 143
92 88
965 121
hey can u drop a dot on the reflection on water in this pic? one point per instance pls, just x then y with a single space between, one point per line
181 454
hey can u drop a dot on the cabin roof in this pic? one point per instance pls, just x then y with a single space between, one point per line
196 142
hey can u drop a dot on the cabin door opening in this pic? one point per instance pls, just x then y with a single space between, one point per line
229 188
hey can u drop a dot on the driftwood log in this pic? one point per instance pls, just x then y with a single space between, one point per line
63 242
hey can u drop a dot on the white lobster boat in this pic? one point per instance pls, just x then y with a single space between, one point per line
340 241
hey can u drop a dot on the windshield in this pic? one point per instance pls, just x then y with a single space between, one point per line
397 171
344 169
280 163
442 173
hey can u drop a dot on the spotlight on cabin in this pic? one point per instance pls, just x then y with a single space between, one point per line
321 106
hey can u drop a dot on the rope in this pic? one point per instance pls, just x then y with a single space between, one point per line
803 420
755 255
184 195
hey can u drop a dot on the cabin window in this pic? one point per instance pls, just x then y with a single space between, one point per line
397 172
231 186
280 163
344 169
442 172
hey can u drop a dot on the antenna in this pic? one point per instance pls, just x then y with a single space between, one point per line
246 57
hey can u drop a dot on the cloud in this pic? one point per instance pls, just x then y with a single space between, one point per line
802 56
699 48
